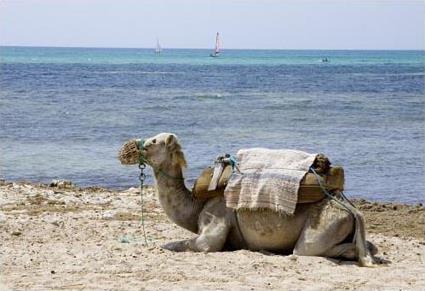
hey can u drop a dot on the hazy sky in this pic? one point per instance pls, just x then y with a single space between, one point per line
193 23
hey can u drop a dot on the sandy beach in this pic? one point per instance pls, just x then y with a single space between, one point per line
92 239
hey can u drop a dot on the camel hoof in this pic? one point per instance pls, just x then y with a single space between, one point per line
174 246
367 262
168 246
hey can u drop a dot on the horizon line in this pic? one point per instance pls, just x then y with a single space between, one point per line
192 48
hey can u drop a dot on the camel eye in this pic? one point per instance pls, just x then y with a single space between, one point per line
154 140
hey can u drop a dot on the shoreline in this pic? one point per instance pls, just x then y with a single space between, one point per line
72 238
122 188
381 216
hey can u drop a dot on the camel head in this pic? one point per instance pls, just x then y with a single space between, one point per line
162 151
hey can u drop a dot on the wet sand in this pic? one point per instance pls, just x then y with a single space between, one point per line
92 239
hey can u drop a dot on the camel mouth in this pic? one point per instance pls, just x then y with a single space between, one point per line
143 152
133 152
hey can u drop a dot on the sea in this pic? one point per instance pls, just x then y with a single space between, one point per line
65 112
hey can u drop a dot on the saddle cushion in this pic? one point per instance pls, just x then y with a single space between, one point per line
308 192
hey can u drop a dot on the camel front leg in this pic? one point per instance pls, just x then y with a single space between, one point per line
211 239
214 227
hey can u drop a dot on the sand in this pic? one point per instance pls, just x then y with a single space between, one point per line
92 239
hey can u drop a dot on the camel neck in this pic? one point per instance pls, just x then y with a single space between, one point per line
176 199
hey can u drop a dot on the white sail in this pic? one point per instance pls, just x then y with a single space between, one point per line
217 43
216 51
158 48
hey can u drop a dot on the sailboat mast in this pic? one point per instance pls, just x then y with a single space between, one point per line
217 43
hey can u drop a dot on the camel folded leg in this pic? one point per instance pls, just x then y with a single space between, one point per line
349 251
345 250
326 241
326 229
211 239
214 227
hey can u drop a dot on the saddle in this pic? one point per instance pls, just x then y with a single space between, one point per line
213 180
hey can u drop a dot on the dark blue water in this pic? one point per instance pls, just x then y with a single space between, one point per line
64 113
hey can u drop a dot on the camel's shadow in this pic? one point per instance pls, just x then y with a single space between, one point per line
380 261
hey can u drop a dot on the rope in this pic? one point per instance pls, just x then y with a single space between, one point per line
233 162
345 199
142 178
359 221
229 159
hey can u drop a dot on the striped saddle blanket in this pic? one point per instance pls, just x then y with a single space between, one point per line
268 179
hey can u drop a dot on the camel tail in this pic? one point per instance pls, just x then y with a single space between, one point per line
363 254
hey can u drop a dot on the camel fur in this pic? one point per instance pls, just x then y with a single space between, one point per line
316 229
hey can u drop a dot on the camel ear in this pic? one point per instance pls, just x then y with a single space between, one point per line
171 142
174 148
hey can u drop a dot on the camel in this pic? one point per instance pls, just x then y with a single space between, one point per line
316 229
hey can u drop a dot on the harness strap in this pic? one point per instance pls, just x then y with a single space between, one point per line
142 177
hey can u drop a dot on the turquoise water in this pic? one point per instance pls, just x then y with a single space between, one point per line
201 57
64 112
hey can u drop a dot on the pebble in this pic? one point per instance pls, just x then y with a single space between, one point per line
98 200
53 220
61 184
3 218
132 190
124 240
108 215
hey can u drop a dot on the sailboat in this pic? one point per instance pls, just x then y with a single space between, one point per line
158 48
216 51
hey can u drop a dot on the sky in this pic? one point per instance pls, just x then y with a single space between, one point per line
249 24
